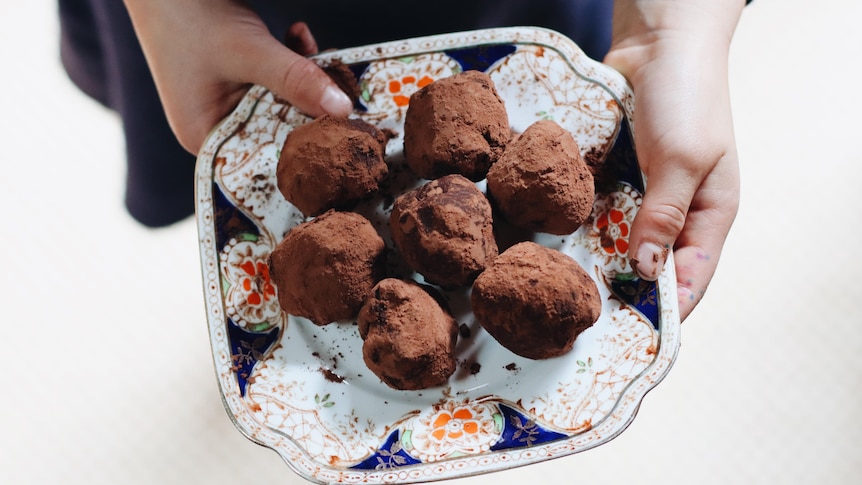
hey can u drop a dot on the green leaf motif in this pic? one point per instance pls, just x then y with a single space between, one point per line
324 401
584 365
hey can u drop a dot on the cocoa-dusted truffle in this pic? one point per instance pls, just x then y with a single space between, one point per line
344 78
541 183
331 163
325 268
535 301
409 335
444 230
457 125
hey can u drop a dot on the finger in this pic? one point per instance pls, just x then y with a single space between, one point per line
700 243
300 40
662 216
289 75
695 267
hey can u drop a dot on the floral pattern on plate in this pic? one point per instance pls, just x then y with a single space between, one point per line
610 225
304 390
250 299
386 86
586 109
454 428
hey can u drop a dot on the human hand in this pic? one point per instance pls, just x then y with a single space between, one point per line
674 54
204 55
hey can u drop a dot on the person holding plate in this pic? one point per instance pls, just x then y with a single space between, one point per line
173 69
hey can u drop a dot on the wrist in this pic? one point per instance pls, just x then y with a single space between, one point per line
648 30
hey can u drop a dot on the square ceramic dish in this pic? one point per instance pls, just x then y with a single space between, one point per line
304 390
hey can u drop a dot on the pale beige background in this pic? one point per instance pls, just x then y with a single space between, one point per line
106 376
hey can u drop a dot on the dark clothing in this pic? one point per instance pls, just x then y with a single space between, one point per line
102 56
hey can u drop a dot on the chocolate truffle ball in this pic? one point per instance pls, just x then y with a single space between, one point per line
344 78
535 301
408 335
541 182
444 230
331 163
325 268
457 125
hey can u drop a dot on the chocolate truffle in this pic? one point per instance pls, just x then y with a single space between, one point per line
331 163
535 300
325 268
344 78
457 125
541 182
444 230
408 335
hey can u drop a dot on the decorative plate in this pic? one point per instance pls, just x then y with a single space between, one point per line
305 391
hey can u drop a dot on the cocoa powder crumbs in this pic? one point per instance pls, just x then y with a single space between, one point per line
331 376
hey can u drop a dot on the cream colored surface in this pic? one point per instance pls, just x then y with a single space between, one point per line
107 376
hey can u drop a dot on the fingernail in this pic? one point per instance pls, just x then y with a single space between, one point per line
335 102
649 260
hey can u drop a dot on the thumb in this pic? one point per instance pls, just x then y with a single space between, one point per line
661 217
290 76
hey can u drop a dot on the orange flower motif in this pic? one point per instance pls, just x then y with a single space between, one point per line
608 235
398 88
256 283
455 428
250 295
613 229
452 426
387 85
